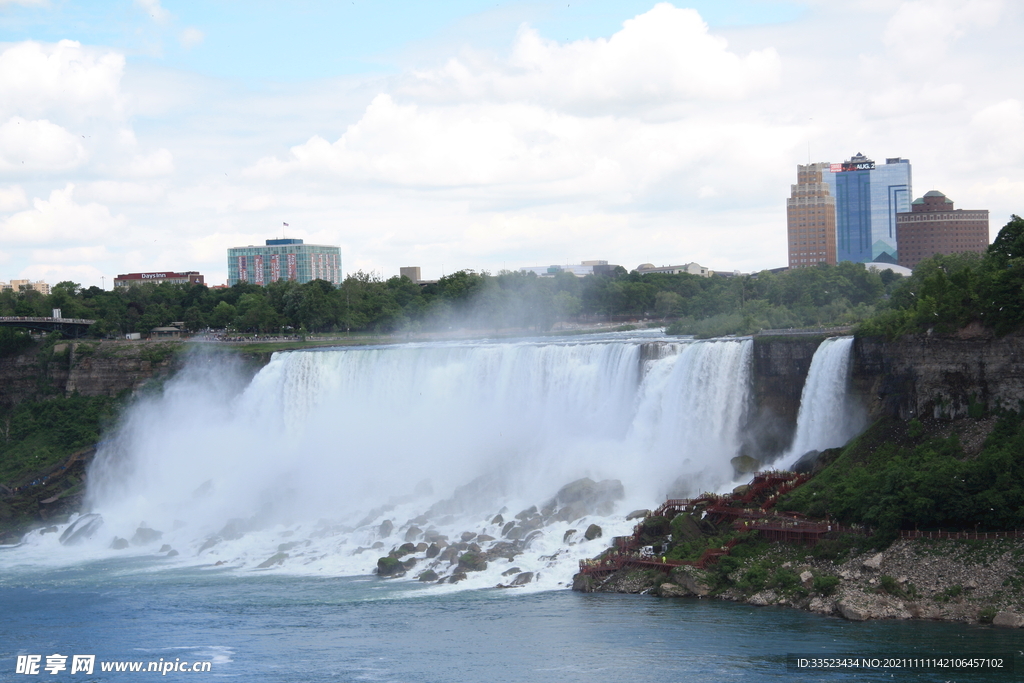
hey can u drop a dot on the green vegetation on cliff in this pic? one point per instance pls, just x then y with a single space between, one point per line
906 475
948 293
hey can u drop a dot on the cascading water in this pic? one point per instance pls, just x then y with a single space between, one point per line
828 416
298 468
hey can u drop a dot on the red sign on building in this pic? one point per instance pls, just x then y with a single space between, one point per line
257 266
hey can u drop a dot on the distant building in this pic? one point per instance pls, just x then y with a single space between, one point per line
933 226
411 272
581 270
691 268
284 259
811 218
130 279
868 197
26 286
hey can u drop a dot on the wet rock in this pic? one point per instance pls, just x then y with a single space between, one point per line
567 536
510 572
768 597
421 546
385 528
821 606
805 464
522 579
671 590
570 513
405 549
433 551
410 563
119 543
429 575
591 495
531 537
741 490
852 612
593 531
504 550
209 543
172 553
285 547
484 538
389 566
507 528
84 527
145 535
48 530
637 514
457 576
164 548
377 545
413 533
278 558
528 512
467 536
516 533
1008 620
234 529
696 581
583 583
472 562
498 519
744 464
450 554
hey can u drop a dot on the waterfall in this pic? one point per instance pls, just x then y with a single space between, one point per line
829 416
320 447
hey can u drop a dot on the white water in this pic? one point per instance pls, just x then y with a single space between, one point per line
317 440
829 417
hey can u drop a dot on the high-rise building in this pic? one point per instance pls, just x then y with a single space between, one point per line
933 226
284 259
411 272
26 286
867 199
811 218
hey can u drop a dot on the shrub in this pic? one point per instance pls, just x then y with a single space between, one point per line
987 614
825 584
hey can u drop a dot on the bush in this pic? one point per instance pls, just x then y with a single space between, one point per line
987 614
826 584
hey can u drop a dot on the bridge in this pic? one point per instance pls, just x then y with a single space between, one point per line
69 327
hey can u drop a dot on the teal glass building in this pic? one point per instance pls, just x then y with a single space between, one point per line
868 197
284 259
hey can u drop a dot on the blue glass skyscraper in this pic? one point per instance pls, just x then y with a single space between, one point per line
868 197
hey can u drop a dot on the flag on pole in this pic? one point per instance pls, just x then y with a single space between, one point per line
285 225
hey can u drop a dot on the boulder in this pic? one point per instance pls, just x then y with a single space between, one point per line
144 535
377 545
507 528
429 575
807 579
498 519
504 550
570 513
389 566
410 563
467 536
209 543
741 490
433 551
285 547
637 514
590 494
119 543
164 548
457 576
805 463
449 554
484 538
405 549
279 558
522 579
172 553
515 533
385 528
744 464
671 590
873 563
421 546
472 562
567 536
694 580
763 598
685 528
82 528
528 512
234 529
413 533
593 531
1008 620
852 612
48 530
510 572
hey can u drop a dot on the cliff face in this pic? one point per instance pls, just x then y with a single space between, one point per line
92 368
779 367
931 377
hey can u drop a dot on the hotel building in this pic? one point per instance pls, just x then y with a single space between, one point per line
933 226
284 259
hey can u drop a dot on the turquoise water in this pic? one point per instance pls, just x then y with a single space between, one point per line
259 627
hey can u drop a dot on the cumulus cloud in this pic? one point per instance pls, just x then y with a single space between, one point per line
662 56
61 219
12 199
38 146
160 162
922 30
65 79
72 255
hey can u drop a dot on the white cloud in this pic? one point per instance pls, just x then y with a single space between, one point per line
71 255
160 162
191 37
154 10
922 30
62 80
113 191
38 146
61 219
12 198
662 56
87 275
999 130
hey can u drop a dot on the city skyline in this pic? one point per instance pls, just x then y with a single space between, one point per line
142 135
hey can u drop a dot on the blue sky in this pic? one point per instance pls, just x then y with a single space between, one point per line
146 135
